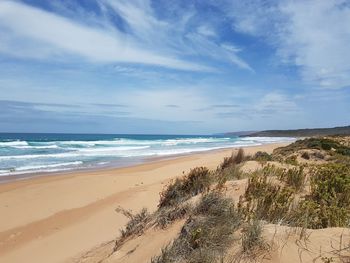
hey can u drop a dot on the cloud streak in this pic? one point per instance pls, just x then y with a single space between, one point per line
30 32
55 36
313 36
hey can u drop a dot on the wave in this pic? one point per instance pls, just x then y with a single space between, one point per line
52 156
36 147
41 168
36 171
95 152
13 143
171 142
44 166
187 150
124 141
113 142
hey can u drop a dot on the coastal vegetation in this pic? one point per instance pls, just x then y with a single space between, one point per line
344 130
303 186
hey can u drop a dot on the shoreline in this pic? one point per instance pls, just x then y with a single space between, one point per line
30 175
56 218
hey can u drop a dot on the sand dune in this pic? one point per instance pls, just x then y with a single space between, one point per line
56 218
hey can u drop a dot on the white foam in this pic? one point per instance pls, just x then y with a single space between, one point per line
45 166
13 143
37 147
102 151
268 139
36 171
94 152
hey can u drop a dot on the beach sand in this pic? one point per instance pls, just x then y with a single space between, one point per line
56 218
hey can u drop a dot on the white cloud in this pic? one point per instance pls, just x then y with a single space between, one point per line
31 32
206 30
314 36
56 35
275 102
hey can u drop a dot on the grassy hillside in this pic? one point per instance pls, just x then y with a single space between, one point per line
300 132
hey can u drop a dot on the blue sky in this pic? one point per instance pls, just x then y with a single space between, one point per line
187 67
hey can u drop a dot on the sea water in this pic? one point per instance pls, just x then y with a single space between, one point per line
38 153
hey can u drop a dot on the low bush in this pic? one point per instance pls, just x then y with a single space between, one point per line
294 177
262 157
323 144
230 173
229 169
234 159
343 151
265 200
319 155
198 180
328 204
291 160
206 235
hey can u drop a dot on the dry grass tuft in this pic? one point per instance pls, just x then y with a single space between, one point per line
234 159
167 216
206 235
198 180
136 225
252 239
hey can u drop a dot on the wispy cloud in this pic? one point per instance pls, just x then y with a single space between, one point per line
9 107
145 39
107 105
314 36
172 106
269 105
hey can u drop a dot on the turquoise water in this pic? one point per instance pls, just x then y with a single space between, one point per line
34 153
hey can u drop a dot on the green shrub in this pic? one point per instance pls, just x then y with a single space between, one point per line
262 157
311 214
325 144
265 200
330 183
294 177
328 204
343 151
291 160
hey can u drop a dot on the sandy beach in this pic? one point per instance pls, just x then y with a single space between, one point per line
56 218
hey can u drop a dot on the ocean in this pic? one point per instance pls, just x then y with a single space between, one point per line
43 153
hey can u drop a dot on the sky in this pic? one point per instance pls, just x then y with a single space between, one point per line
173 67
